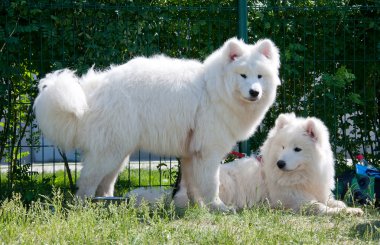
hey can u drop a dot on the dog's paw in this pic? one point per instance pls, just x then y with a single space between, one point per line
354 211
221 207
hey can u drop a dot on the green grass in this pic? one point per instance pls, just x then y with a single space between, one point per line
49 222
134 178
31 187
52 216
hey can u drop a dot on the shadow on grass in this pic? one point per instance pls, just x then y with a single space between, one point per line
368 230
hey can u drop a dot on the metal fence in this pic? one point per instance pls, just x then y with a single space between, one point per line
330 55
330 68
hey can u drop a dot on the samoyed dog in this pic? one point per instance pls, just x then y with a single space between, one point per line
185 108
296 170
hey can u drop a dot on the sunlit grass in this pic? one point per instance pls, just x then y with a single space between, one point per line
45 212
53 221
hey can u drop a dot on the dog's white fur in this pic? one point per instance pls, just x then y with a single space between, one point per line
185 108
301 147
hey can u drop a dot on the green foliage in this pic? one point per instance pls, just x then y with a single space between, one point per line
329 53
168 172
37 37
17 92
79 34
30 186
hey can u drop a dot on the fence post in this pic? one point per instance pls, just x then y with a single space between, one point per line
242 20
243 34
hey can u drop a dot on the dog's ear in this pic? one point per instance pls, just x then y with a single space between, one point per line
317 130
283 119
312 129
267 48
233 48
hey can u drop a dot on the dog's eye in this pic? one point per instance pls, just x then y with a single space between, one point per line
243 75
297 149
259 76
283 147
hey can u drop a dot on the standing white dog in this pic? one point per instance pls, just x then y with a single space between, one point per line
296 170
185 108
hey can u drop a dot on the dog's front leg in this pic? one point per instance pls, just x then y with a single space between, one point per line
332 203
205 182
321 208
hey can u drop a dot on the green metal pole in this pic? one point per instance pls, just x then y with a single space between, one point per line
243 34
242 20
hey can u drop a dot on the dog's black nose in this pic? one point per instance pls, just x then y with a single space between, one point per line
253 93
281 164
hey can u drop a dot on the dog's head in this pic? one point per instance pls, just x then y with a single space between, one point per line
248 72
297 150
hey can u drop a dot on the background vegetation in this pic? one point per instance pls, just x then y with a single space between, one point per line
330 68
330 52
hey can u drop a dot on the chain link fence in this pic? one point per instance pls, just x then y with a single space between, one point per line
330 53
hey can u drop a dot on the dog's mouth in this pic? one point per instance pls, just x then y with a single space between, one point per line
250 99
290 170
247 98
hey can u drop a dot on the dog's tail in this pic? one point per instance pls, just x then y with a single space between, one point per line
59 107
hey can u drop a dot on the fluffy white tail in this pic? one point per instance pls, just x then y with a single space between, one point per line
60 105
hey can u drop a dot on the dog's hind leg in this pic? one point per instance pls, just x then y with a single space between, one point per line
95 168
106 186
188 192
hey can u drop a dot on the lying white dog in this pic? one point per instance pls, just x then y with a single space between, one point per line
296 171
185 108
